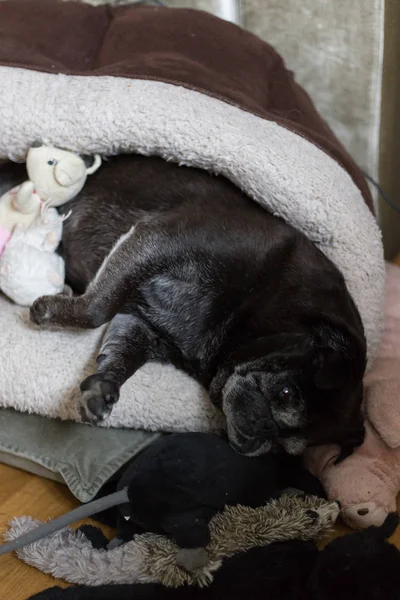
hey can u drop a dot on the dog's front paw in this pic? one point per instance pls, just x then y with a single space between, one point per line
98 396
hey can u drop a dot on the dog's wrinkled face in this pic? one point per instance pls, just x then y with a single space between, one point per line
264 411
305 394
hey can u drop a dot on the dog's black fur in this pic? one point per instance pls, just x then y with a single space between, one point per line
213 283
360 566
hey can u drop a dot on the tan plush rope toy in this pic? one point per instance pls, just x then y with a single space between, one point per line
69 555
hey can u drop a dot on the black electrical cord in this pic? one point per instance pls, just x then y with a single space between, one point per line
385 197
156 2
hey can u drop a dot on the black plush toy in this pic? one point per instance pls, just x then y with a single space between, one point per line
181 481
176 485
360 566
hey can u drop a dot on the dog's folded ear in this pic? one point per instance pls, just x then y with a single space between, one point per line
341 355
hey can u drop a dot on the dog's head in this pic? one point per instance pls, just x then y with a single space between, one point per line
295 390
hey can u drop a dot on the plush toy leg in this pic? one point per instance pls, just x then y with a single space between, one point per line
128 345
95 536
67 291
25 200
115 543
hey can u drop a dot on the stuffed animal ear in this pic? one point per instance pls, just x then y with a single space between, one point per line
92 163
318 458
69 170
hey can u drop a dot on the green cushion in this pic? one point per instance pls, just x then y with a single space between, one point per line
82 457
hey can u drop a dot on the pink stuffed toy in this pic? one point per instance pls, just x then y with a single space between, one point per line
367 482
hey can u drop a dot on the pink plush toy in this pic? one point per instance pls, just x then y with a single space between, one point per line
367 483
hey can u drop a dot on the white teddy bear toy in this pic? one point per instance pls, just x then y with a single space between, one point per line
31 230
29 265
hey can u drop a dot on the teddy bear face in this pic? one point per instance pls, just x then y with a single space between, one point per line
58 175
366 483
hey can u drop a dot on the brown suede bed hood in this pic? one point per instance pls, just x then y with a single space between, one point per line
184 47
192 88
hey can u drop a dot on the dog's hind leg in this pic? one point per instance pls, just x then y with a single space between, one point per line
132 260
128 344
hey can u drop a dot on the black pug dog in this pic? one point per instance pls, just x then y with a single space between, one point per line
360 566
188 270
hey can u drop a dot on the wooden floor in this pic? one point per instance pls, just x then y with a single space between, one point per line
25 494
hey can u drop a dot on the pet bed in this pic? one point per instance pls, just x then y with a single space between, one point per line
196 90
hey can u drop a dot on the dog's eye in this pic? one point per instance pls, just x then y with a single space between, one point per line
52 162
285 393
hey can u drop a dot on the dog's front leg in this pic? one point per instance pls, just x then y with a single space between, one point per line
128 344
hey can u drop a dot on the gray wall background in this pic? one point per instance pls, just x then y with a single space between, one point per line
346 54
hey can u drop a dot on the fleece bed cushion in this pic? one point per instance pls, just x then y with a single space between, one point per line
40 372
196 90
